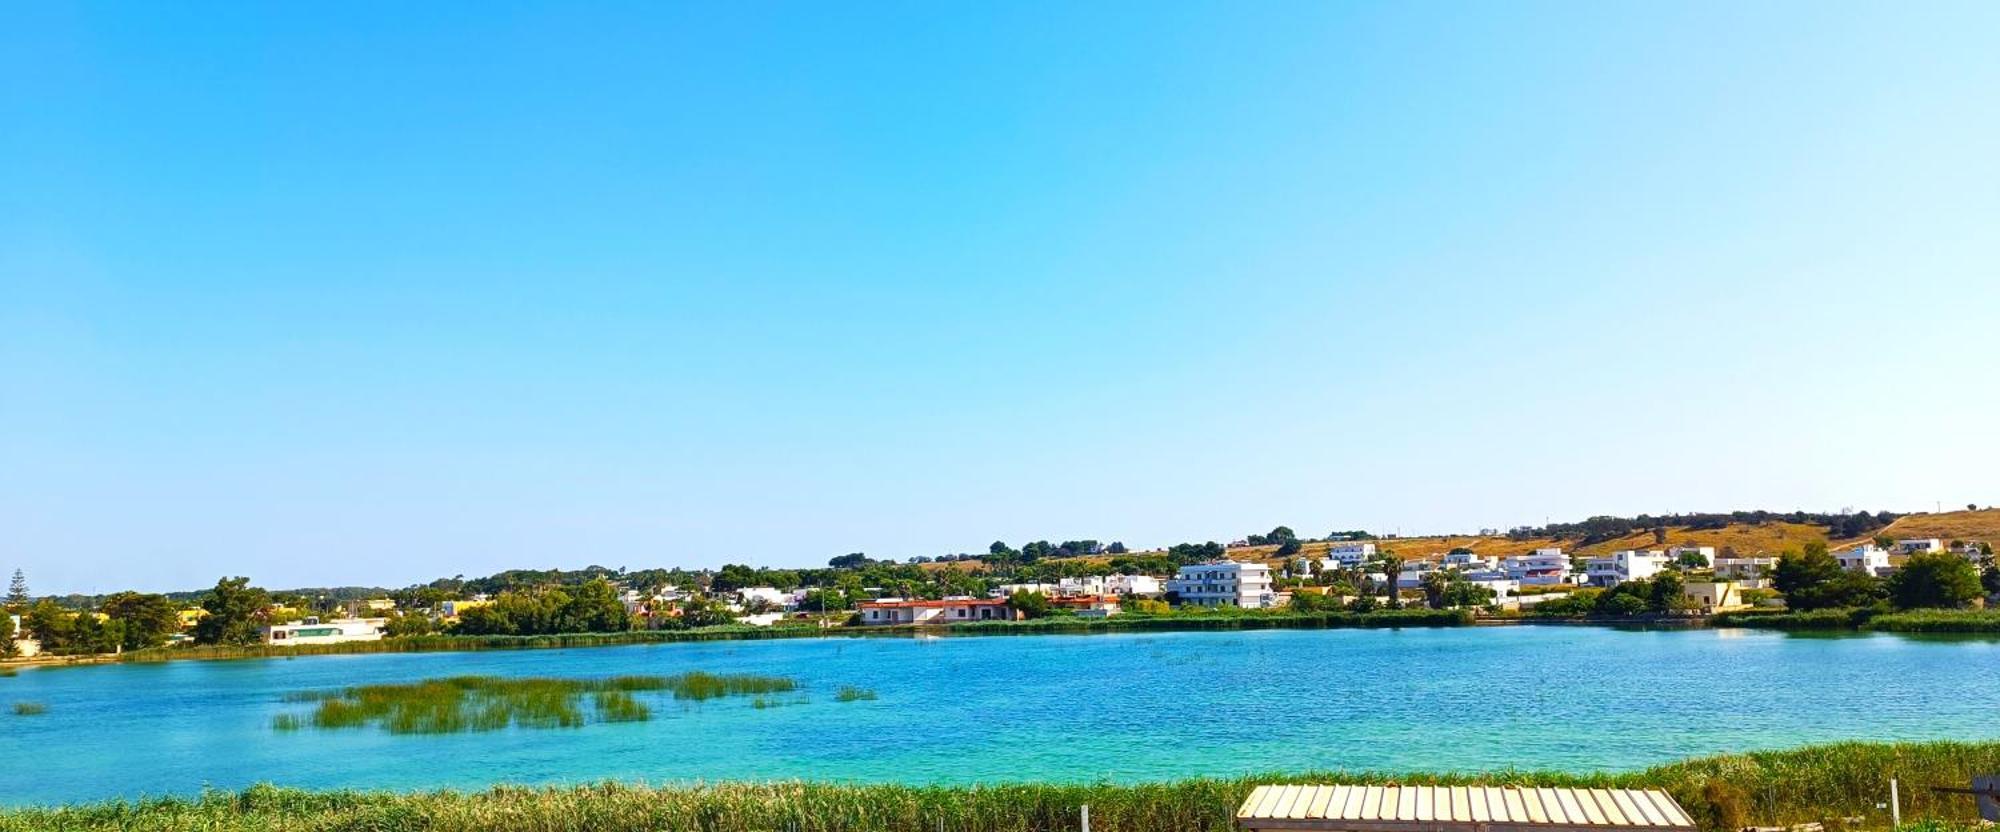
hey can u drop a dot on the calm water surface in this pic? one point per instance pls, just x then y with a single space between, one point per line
1121 707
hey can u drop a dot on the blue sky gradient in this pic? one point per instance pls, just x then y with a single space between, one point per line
372 292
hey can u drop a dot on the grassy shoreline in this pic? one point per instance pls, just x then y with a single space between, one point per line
1815 783
1914 621
1922 621
1132 623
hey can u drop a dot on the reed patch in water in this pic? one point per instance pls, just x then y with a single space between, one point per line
489 703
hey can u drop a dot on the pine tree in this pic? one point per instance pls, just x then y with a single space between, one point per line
17 593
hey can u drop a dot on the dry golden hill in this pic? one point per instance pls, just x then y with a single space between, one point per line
1742 538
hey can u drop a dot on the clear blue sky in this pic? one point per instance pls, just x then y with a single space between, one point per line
373 292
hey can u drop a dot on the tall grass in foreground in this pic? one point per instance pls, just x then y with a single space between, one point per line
1824 783
490 703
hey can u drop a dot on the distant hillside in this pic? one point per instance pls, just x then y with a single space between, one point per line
1769 538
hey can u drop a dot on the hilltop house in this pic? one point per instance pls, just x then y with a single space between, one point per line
1347 555
335 631
1625 565
1917 545
1867 558
1224 583
953 610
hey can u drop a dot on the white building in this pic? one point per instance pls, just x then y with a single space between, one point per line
1009 590
1347 555
1544 567
1143 585
1751 572
24 646
890 611
777 598
1224 583
1918 545
1707 553
1867 558
1469 562
1414 571
1625 565
335 631
1505 590
1970 550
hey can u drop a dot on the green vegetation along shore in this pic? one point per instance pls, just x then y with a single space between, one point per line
1826 783
1866 618
1221 619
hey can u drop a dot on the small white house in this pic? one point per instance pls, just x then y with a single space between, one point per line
1469 562
1918 545
773 596
1750 572
1145 586
336 631
24 646
1625 565
1414 571
1707 553
1224 583
1867 558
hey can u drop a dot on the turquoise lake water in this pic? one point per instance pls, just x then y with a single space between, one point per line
1125 707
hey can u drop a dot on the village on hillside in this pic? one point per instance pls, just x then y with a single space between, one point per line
1685 575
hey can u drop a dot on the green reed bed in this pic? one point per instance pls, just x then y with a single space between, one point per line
488 703
1938 621
850 693
1817 783
1913 621
30 709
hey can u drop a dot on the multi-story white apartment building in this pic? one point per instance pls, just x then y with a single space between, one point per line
1224 583
1348 555
1867 558
1626 565
1542 568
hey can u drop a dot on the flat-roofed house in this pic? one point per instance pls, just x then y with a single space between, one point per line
1224 583
889 611
335 631
1867 558
1542 567
1918 545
